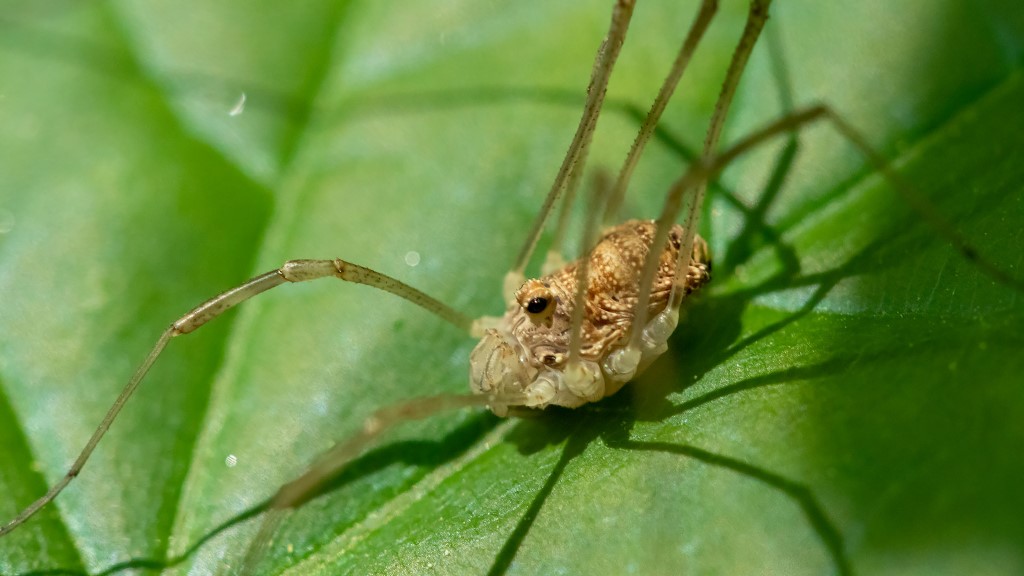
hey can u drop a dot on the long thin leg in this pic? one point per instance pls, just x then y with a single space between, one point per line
330 463
299 490
603 64
756 18
600 181
693 37
920 204
712 167
707 168
755 215
583 377
700 24
291 271
554 260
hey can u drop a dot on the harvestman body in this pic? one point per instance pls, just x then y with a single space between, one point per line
580 332
527 350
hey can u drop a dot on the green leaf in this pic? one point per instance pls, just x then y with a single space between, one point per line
843 399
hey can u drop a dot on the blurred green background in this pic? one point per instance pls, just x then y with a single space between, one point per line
845 398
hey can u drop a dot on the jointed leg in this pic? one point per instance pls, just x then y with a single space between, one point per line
754 215
693 37
603 64
292 271
600 183
756 18
659 332
553 261
584 377
713 166
329 464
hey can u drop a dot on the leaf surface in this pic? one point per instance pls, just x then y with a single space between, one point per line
844 398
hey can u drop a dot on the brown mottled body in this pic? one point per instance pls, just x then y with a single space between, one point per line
613 280
529 348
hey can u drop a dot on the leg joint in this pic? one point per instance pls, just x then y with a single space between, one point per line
304 270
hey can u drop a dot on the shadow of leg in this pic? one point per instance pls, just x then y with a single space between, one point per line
799 493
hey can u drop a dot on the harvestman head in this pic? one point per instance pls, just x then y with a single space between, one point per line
581 331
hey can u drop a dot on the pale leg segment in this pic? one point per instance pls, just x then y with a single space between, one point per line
756 18
554 260
583 377
644 342
603 64
291 271
332 462
708 169
700 24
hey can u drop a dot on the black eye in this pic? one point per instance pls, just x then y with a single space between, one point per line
536 305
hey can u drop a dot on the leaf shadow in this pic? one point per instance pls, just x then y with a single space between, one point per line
647 399
415 453
614 432
611 419
812 508
578 438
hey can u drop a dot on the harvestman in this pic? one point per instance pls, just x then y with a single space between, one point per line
581 331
